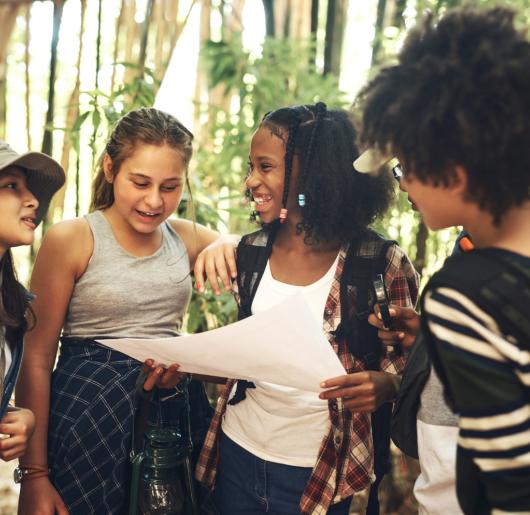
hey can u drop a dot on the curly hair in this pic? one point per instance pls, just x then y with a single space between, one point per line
459 95
339 202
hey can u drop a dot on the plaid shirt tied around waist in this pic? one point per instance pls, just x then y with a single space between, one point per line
345 460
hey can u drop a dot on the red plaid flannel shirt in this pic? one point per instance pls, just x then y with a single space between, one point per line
345 460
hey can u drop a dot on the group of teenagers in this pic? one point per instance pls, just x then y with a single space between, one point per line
454 110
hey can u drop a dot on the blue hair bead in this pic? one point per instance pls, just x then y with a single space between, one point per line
301 199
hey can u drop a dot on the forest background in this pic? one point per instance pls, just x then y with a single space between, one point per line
70 68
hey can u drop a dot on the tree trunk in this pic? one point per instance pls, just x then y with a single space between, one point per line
421 247
8 16
200 79
300 20
180 27
47 140
131 30
399 9
281 17
160 38
145 38
268 8
26 77
378 32
314 17
71 140
119 24
335 29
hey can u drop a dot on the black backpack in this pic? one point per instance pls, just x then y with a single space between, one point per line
497 283
357 300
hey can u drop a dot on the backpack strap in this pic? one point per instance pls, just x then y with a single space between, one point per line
252 255
357 299
366 257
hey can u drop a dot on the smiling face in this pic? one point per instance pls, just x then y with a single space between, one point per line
147 188
267 174
17 209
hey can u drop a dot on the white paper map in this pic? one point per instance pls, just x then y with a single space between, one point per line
284 345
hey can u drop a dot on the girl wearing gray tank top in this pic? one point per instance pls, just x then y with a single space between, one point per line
121 271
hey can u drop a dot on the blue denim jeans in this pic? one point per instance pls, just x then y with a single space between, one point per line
247 485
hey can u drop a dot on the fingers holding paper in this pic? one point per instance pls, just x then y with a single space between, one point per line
362 392
161 376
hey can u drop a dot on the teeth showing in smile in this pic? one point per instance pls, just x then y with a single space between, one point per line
261 199
146 213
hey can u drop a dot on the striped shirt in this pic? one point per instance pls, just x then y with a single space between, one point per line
489 377
345 459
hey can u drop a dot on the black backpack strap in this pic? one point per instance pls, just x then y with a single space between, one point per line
251 260
357 300
357 285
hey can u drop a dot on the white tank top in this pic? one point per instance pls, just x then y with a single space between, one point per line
277 423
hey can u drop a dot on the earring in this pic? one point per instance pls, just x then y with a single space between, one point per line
301 199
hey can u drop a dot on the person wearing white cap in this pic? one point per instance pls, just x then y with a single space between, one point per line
455 109
27 184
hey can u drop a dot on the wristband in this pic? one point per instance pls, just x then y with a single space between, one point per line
23 473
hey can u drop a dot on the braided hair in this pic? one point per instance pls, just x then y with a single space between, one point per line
339 202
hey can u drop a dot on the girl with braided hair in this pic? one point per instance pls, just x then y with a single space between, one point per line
276 449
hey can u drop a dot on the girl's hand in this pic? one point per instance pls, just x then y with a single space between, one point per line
217 261
362 392
39 497
16 429
161 377
406 323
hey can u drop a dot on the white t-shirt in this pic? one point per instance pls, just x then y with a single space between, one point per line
277 423
435 488
7 350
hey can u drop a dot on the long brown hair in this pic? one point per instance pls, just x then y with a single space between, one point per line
146 125
14 301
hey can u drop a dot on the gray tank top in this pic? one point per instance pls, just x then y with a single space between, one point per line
121 295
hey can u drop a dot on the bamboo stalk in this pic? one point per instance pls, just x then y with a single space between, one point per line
160 37
47 140
145 37
200 79
119 23
72 114
132 33
26 77
180 26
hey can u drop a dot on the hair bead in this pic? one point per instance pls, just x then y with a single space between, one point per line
301 199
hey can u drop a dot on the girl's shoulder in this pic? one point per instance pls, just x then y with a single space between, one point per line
69 232
70 243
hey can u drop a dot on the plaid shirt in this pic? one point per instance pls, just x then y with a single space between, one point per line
345 460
